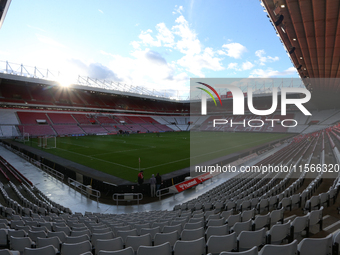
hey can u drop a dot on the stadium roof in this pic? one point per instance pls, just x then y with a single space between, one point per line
4 5
310 32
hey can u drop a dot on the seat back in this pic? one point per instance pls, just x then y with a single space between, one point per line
136 241
163 249
114 244
196 247
283 249
47 250
170 237
192 234
217 244
278 232
316 246
249 239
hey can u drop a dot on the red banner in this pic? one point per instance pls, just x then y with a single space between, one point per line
193 182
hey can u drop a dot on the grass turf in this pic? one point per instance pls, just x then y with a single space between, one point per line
119 155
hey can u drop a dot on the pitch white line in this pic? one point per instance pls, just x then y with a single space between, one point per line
136 169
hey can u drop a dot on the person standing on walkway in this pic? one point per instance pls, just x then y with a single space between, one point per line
159 181
153 185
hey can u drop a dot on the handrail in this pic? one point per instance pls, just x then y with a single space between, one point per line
163 192
127 197
54 173
85 190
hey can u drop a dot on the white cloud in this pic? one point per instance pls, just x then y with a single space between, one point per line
147 39
234 50
221 52
263 59
272 73
164 35
148 68
195 63
178 9
100 11
247 65
135 44
233 66
188 43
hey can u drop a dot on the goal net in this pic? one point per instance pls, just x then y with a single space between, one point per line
47 142
26 137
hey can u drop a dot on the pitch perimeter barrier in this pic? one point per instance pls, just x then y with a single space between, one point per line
85 190
127 197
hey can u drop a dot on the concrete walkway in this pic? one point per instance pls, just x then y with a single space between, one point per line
68 197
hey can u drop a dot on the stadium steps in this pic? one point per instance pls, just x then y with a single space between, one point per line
82 129
55 132
331 119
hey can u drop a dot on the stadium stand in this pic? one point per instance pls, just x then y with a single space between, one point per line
243 197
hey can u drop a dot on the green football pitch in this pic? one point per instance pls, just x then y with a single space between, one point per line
163 153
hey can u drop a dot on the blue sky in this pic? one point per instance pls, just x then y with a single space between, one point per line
156 44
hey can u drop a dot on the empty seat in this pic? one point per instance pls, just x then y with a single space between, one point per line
248 215
194 247
316 246
66 229
217 244
3 237
241 226
127 251
42 242
124 233
261 221
252 251
298 225
217 231
114 244
122 228
192 234
232 219
75 248
226 214
47 250
276 216
284 249
76 239
315 218
278 233
60 234
162 249
194 225
35 234
20 243
171 237
248 239
151 231
169 229
215 222
8 252
82 232
100 230
96 236
136 241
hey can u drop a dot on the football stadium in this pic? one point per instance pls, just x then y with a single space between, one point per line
235 163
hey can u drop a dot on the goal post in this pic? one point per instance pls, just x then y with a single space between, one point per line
47 142
26 137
